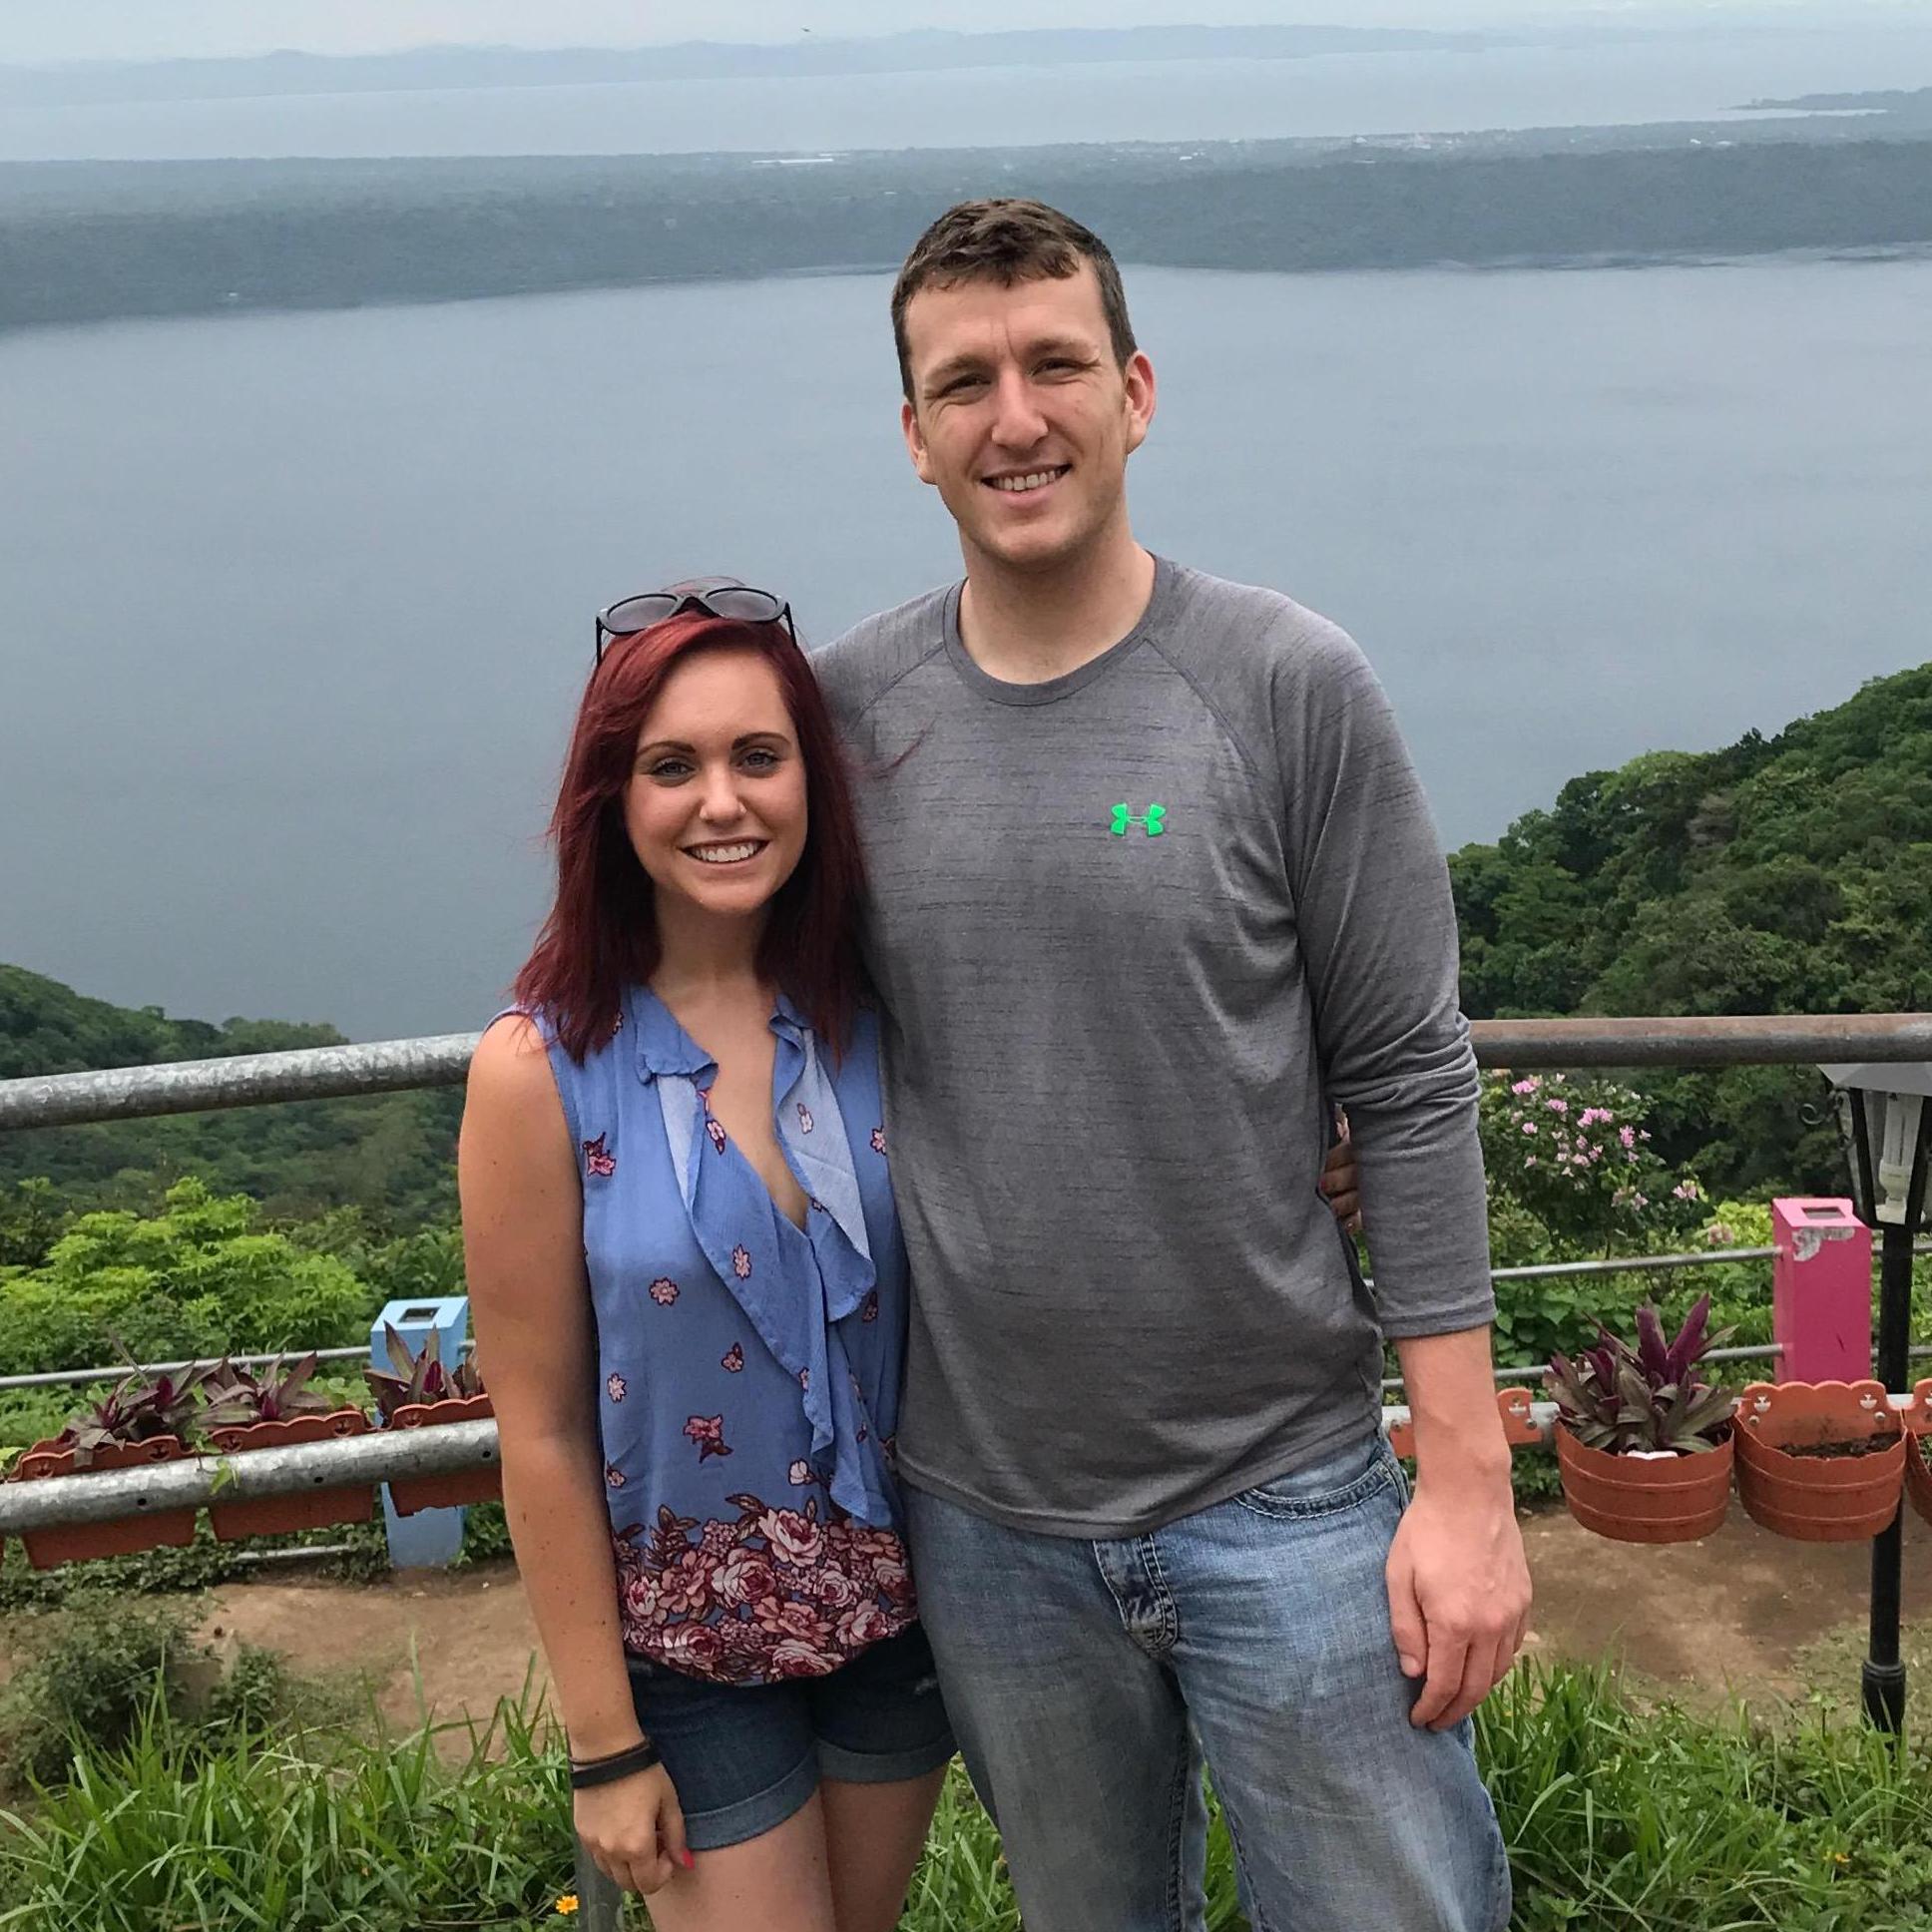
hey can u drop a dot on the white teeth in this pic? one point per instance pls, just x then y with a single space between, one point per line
1019 485
723 854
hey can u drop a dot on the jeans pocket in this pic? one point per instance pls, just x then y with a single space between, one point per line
1343 1482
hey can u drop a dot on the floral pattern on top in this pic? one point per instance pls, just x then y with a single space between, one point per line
778 1593
878 1142
597 1161
758 1521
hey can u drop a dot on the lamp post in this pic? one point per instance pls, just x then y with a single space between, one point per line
1886 1116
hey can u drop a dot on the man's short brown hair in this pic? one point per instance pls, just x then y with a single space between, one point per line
1007 242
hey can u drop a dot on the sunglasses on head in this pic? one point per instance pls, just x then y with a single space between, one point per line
738 601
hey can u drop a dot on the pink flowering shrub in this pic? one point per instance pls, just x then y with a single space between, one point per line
1576 1155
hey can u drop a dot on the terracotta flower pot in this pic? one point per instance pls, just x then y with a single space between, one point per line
76 1542
1642 1499
482 1485
1918 1476
1514 1405
1820 1499
1918 1459
310 1509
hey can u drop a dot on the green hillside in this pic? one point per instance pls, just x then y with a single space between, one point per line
390 1154
1790 874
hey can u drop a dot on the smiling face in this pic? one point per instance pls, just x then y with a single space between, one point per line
715 805
1021 416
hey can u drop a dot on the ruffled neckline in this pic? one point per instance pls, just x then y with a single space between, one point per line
755 1249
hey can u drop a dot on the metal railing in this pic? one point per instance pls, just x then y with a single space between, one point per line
193 1481
398 1065
401 1064
57 1377
1542 1271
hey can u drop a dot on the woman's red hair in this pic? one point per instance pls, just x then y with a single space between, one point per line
601 932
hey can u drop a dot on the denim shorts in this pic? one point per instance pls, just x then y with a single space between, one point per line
745 1757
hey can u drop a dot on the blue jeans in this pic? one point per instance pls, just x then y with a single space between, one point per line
1088 1681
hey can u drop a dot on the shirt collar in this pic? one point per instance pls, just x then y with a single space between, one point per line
665 1048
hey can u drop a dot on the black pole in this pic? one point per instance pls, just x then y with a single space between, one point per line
1883 1677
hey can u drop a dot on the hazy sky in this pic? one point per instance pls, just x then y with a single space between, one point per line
59 30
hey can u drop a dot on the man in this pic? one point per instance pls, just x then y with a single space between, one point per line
1156 888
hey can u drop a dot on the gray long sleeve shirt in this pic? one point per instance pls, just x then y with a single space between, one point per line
1134 930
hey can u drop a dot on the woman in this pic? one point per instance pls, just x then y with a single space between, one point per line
690 1288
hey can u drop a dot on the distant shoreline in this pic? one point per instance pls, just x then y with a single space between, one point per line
1892 100
84 241
1874 256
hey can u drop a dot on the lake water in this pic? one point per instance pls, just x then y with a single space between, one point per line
296 607
1686 75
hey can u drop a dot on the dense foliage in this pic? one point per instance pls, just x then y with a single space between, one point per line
1790 874
390 1154
199 1277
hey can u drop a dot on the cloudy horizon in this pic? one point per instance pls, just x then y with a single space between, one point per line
38 32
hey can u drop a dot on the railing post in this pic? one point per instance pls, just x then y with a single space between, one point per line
1821 1291
600 1900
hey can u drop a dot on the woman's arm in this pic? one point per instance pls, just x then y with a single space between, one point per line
523 1243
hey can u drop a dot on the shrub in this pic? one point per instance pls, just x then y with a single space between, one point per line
254 1693
196 1279
97 1668
1576 1153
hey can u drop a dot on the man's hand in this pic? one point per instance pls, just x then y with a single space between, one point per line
1459 1586
1459 1596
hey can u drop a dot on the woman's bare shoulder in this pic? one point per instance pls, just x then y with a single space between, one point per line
510 1065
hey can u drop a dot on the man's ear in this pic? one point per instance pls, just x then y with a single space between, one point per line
1138 380
915 441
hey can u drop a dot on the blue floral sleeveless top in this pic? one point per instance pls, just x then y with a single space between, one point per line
749 1371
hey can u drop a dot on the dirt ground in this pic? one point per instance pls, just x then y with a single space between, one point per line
1743 1613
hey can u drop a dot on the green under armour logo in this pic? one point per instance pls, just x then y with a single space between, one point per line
1154 823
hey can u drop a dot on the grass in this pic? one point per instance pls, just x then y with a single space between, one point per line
309 1830
1618 1818
1653 1820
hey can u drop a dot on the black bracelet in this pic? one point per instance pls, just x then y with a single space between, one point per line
586 1774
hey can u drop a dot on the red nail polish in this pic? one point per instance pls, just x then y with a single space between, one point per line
686 1860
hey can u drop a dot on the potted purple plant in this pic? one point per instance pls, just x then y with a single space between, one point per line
1644 1445
418 1392
271 1410
144 1418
